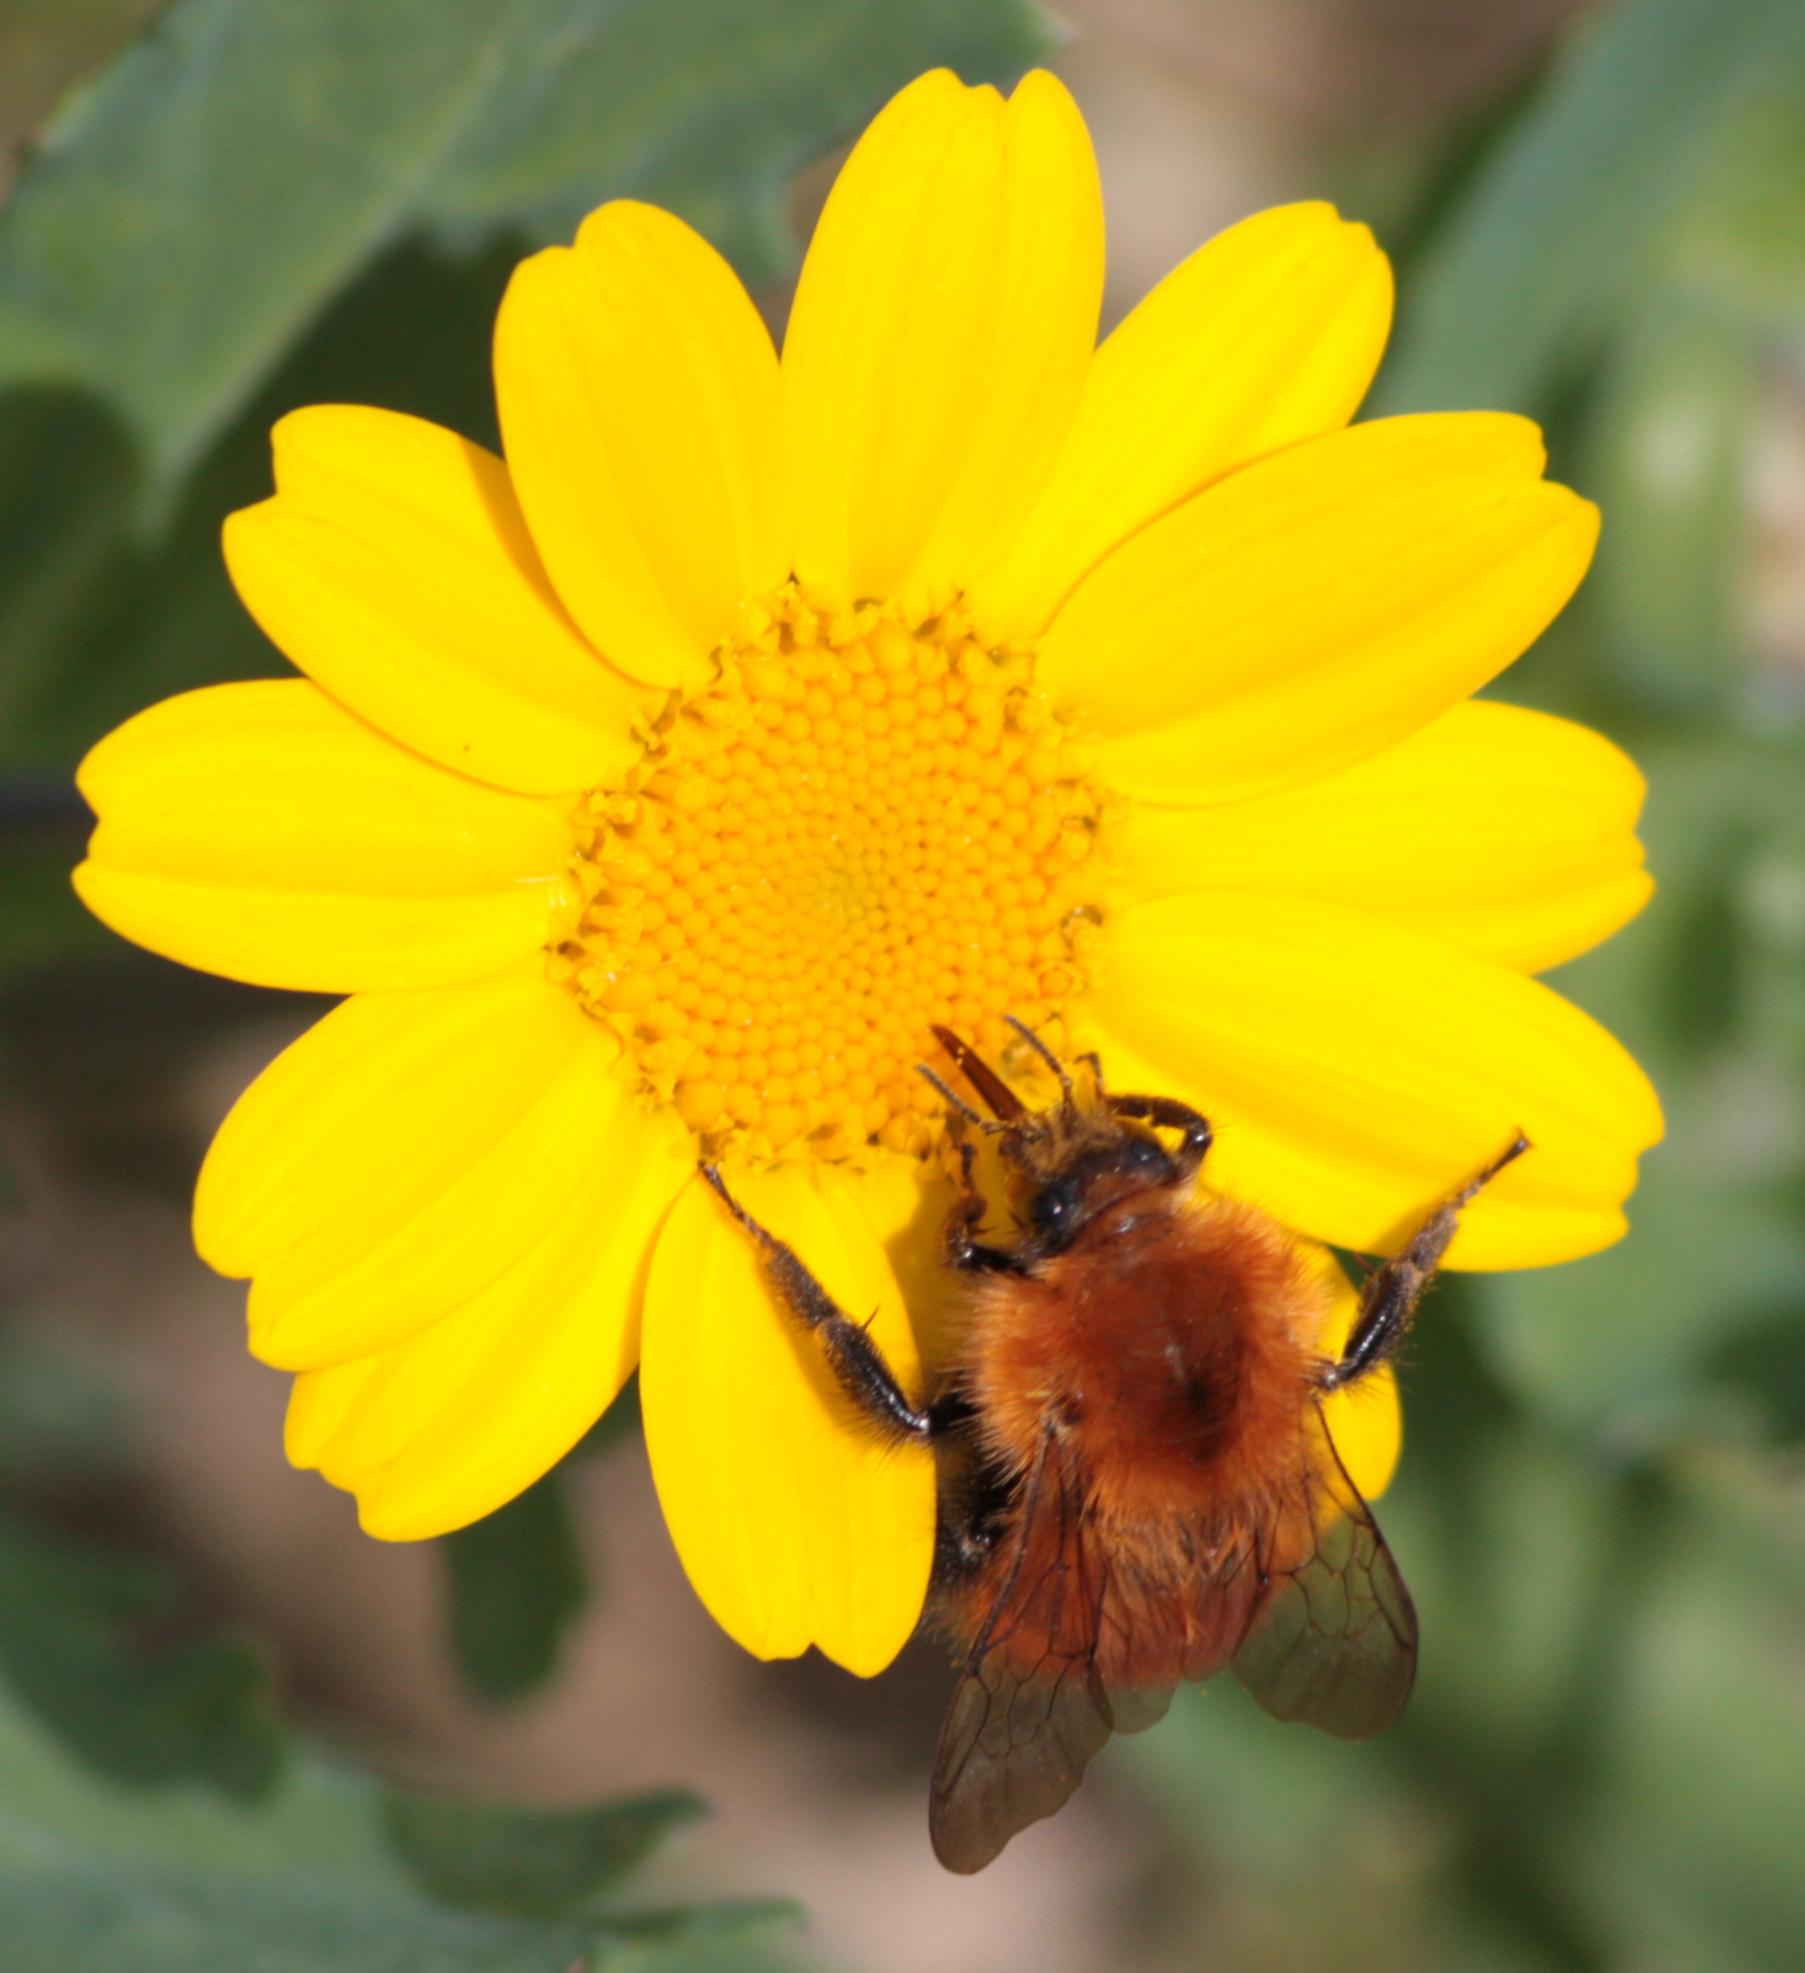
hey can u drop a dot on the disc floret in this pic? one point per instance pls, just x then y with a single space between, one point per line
866 823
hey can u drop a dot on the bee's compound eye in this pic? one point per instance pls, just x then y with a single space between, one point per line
1053 1206
1141 1159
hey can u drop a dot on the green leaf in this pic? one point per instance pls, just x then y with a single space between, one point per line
1674 425
40 917
1533 264
515 1582
1693 1860
534 1862
1760 1375
79 1644
1735 237
1670 434
97 618
257 206
66 485
65 1416
618 1424
191 211
1708 989
95 1880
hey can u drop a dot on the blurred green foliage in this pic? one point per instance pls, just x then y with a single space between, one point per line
1542 260
80 1644
536 1861
514 1583
331 1876
263 204
260 204
1600 1510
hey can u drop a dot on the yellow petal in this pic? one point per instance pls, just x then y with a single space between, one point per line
259 831
1366 1424
1357 1071
1364 1419
1267 335
319 1402
392 566
638 397
363 944
940 333
795 1523
334 1295
1501 830
402 1068
1316 607
402 1153
453 1423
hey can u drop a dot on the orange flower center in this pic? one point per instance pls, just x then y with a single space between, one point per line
865 825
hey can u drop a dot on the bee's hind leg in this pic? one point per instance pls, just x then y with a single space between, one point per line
1392 1291
858 1365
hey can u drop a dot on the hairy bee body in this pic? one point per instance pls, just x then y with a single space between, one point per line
1137 1483
1174 1346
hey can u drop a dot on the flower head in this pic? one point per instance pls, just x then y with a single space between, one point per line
651 793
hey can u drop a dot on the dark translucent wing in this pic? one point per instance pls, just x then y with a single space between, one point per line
1030 1709
1135 1708
1332 1638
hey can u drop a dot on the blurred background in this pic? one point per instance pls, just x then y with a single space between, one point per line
233 1732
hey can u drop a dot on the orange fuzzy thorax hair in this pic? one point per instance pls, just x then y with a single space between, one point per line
1172 1346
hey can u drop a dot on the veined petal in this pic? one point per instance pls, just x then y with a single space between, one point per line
1508 832
1268 334
259 831
638 397
940 334
342 1177
1316 607
1364 1419
1357 1071
393 567
795 1523
444 1428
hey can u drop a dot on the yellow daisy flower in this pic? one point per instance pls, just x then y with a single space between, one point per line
650 793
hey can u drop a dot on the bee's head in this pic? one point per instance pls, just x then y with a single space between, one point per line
1065 1163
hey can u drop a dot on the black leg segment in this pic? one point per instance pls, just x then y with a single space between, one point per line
854 1358
1165 1113
1389 1299
963 1249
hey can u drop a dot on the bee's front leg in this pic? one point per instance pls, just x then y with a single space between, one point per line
964 1250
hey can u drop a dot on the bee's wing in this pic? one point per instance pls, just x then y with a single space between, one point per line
1030 1708
1332 1637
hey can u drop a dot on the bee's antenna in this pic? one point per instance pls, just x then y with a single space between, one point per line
954 1102
1044 1052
